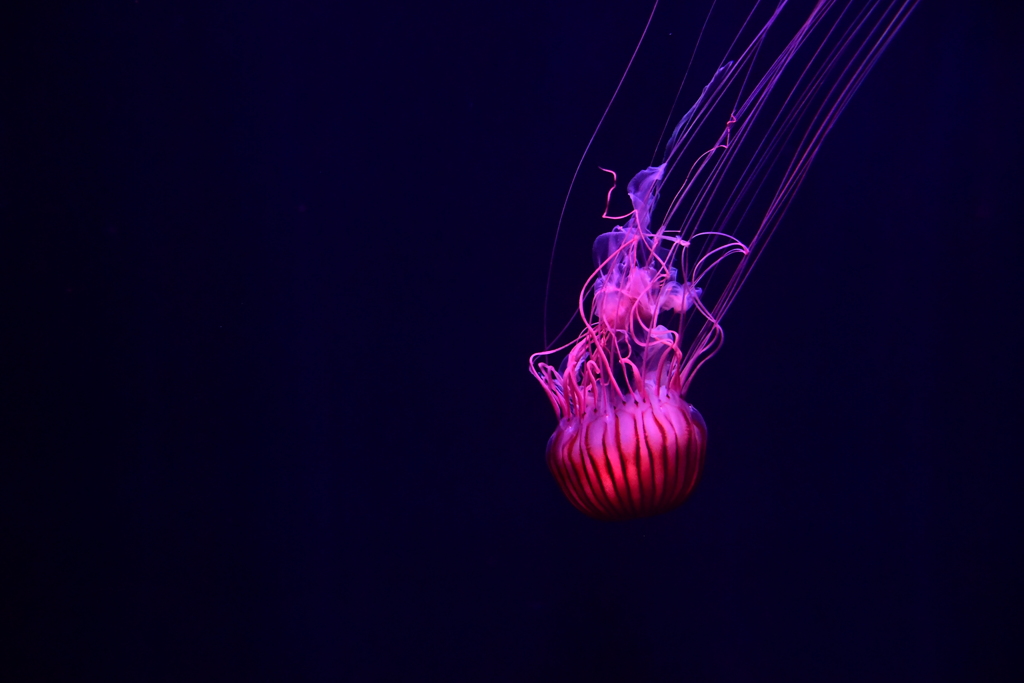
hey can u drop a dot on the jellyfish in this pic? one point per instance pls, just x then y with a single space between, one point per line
628 444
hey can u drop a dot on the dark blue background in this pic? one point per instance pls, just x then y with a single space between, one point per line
272 274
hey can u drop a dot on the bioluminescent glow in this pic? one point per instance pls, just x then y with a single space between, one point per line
628 444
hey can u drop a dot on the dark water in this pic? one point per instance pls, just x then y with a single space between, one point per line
272 275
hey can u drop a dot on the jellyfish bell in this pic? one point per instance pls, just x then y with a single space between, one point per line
638 459
628 443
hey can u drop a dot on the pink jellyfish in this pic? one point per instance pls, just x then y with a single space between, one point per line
628 444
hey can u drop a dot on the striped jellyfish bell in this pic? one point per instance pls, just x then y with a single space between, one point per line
640 458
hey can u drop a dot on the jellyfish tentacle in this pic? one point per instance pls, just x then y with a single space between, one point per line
628 443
